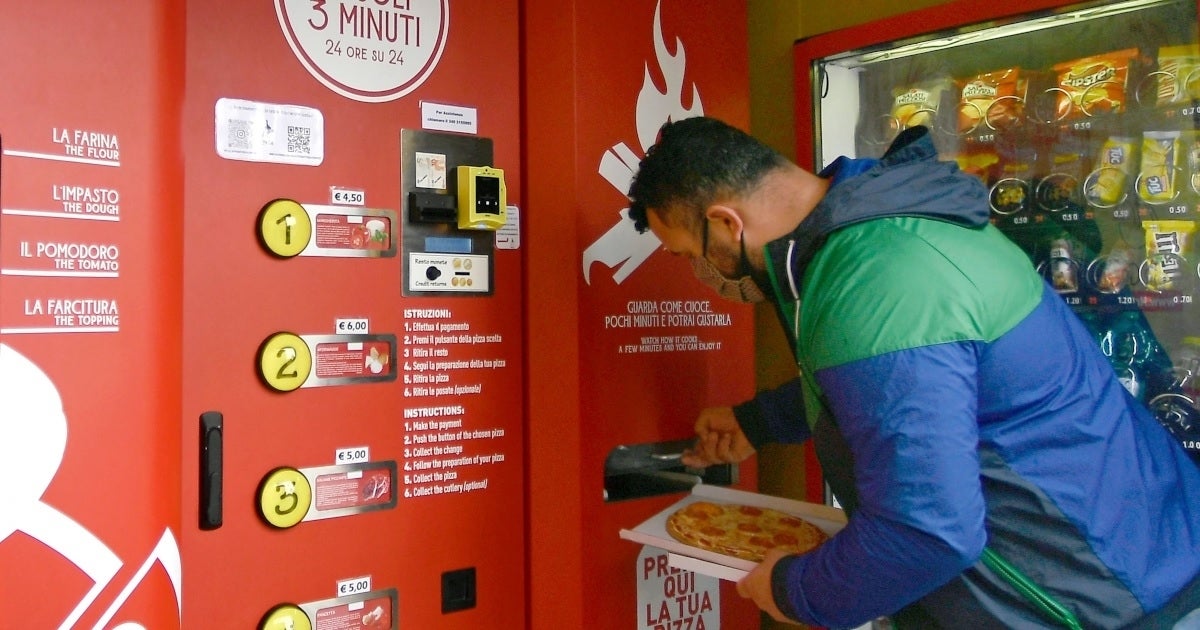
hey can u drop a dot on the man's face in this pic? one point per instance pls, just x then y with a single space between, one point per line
681 241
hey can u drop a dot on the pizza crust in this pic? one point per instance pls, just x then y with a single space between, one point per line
742 531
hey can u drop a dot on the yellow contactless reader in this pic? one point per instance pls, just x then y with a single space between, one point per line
482 203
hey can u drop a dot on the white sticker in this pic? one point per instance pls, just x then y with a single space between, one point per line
355 326
442 117
668 597
353 455
347 196
354 586
367 51
509 234
430 170
266 132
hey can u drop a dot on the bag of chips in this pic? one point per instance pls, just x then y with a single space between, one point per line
1092 86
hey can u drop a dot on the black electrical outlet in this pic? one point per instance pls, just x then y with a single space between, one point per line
458 590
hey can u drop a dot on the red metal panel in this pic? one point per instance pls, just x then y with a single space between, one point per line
597 89
90 228
238 295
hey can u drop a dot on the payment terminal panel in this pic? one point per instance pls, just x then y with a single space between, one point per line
445 254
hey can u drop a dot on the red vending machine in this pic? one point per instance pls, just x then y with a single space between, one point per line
90 227
352 335
625 346
1082 121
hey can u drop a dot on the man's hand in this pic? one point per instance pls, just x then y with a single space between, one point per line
719 440
757 586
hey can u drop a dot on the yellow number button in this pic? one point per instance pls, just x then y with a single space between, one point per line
284 497
284 361
284 227
285 617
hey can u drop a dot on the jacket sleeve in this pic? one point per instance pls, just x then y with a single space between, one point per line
909 419
774 415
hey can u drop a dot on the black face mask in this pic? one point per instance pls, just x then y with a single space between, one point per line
743 289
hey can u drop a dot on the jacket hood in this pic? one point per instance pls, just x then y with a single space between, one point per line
908 181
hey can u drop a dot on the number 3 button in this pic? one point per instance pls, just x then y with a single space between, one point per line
284 497
284 361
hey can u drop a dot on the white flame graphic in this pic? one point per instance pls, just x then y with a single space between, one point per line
622 247
655 108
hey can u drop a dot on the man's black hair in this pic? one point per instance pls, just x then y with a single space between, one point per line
695 162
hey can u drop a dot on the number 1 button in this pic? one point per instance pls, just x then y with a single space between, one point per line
284 228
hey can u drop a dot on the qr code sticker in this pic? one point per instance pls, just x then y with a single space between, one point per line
298 139
238 134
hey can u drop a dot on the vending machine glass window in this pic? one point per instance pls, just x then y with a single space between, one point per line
1083 123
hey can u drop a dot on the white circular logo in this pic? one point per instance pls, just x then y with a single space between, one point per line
367 50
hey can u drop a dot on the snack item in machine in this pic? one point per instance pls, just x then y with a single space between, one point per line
1167 242
1091 86
1110 273
1177 76
995 99
1105 186
1060 189
979 163
1010 192
1190 142
1061 268
917 104
1156 181
742 531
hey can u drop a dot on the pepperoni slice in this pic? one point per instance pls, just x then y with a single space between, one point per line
749 528
785 538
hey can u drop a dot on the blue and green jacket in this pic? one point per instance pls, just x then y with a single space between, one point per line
955 402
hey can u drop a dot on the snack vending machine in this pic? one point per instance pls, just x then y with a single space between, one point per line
1083 122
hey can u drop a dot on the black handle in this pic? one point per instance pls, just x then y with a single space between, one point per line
211 448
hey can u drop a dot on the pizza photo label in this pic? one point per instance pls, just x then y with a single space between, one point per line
367 51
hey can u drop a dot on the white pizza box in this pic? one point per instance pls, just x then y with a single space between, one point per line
653 531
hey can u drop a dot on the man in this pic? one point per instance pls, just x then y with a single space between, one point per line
995 472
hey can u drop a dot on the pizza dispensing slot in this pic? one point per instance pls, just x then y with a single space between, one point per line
654 468
428 207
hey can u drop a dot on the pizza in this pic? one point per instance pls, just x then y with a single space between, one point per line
742 531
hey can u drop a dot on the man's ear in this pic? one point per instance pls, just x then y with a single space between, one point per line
726 218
